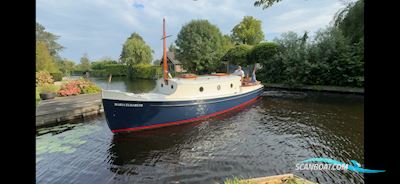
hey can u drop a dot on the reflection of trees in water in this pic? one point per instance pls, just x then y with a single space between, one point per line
139 85
125 84
129 150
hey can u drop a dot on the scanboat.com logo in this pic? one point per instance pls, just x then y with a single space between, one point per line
330 164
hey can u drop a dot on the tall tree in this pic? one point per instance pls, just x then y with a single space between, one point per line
350 21
65 66
200 46
248 31
85 63
136 51
44 61
49 39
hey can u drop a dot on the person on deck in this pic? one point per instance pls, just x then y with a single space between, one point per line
239 72
253 76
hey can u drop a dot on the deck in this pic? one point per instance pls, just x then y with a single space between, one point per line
63 109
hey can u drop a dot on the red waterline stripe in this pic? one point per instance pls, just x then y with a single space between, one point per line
186 120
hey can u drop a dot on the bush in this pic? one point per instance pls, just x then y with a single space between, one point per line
70 88
262 52
107 69
48 88
57 76
91 89
37 95
99 73
43 77
80 86
238 55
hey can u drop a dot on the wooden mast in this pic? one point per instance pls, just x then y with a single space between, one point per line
165 55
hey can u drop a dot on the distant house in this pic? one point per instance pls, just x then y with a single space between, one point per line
173 64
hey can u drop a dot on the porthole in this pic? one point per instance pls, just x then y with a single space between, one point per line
162 85
231 85
201 89
218 87
172 86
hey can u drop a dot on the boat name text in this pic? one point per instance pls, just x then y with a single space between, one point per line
127 105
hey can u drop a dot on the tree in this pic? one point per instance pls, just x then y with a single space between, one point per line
200 46
44 61
84 65
238 55
172 48
263 52
265 3
248 31
350 21
49 39
66 66
136 51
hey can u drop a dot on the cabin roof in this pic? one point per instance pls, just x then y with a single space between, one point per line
171 59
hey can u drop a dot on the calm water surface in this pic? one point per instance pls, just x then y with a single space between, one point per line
266 138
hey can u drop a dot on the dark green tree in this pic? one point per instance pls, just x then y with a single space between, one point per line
84 65
238 55
200 46
265 3
135 51
248 31
49 39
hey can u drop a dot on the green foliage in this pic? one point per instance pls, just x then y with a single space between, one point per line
84 65
37 95
238 55
265 3
91 89
248 31
350 21
200 46
106 67
329 59
66 66
48 88
57 76
136 51
44 61
49 39
143 71
43 77
101 65
263 52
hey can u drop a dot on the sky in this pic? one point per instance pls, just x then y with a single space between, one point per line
100 27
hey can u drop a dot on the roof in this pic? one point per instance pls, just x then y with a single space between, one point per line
171 58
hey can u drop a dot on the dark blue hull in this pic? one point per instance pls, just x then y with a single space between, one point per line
137 115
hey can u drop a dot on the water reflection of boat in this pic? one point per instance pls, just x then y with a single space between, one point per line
141 147
179 100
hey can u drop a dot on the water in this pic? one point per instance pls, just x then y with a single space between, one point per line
266 138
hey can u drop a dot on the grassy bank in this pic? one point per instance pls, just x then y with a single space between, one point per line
333 89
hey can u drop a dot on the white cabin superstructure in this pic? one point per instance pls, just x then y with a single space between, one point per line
181 89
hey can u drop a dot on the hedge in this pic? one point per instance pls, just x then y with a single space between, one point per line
143 71
57 76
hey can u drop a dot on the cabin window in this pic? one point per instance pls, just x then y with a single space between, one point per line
231 85
218 87
172 86
162 85
201 89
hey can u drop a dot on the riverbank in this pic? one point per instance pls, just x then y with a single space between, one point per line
62 109
330 89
